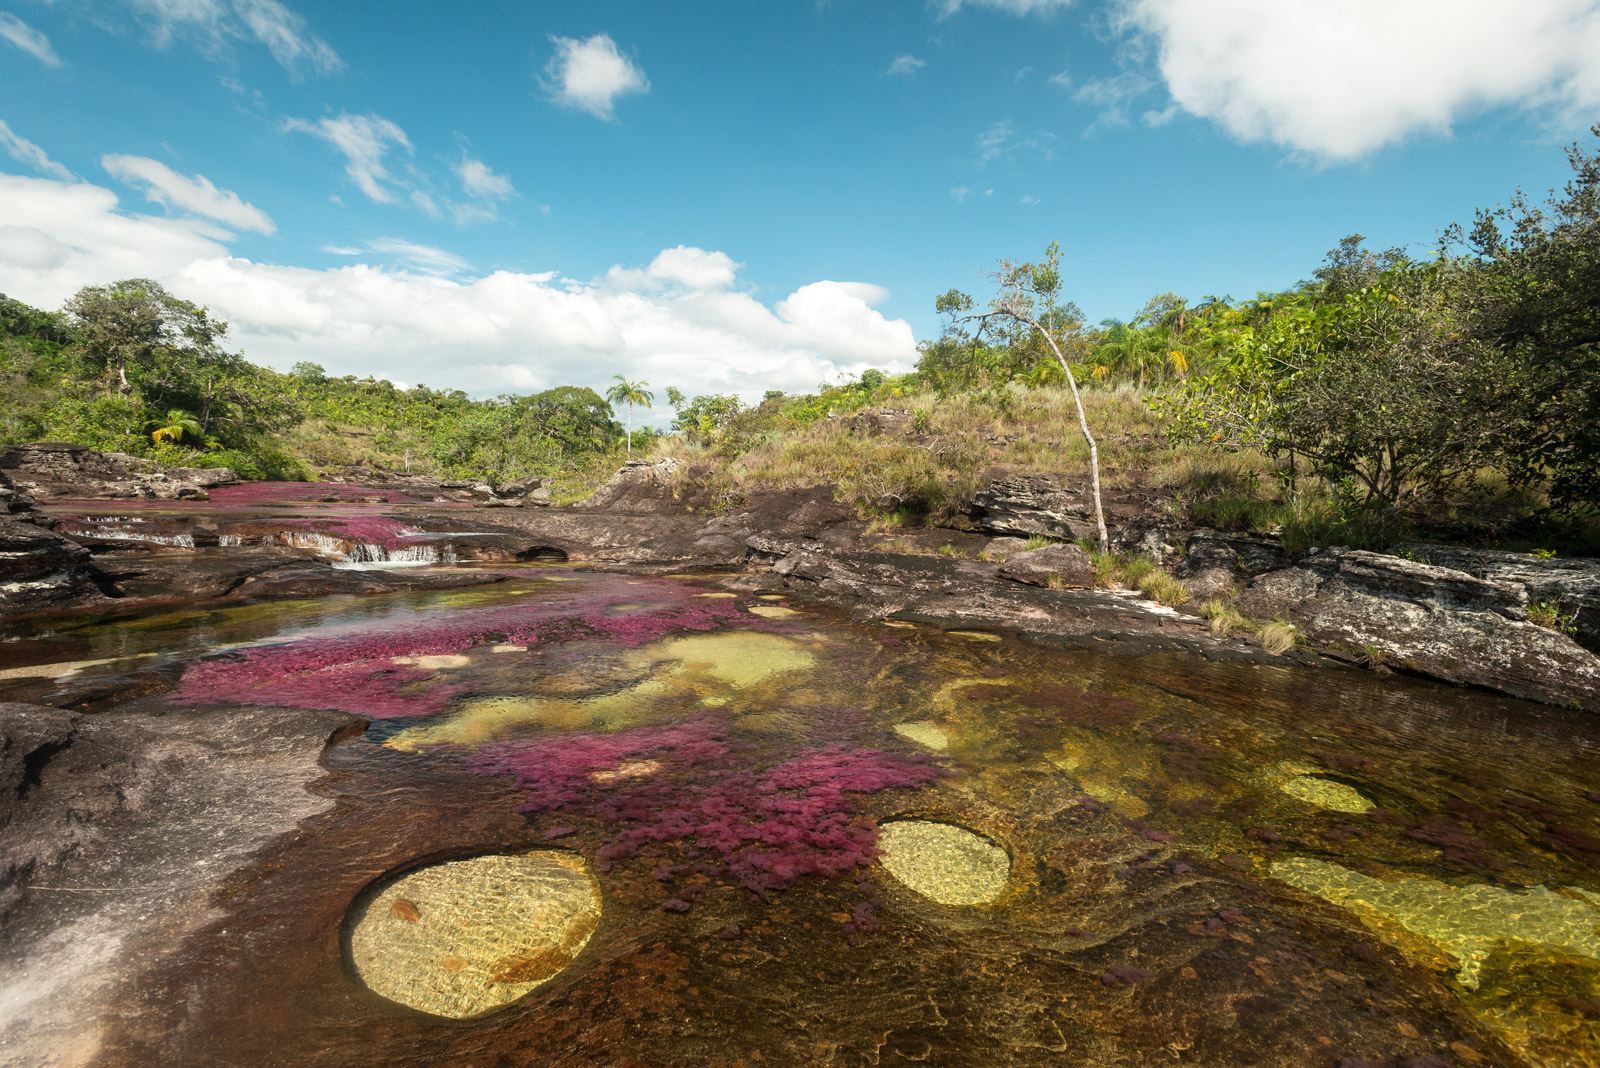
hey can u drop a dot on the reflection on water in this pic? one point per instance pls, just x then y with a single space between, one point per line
710 744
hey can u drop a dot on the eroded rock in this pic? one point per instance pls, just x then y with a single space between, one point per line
1057 565
1432 620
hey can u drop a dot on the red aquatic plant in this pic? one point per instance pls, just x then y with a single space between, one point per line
357 673
690 788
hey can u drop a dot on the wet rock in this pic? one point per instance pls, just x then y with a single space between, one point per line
1431 620
947 864
120 833
1064 565
40 569
534 489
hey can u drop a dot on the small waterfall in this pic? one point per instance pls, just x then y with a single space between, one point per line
226 540
180 541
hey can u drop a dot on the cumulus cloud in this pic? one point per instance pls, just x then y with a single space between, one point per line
1376 71
30 40
590 74
267 22
905 65
946 8
30 155
684 319
195 195
365 141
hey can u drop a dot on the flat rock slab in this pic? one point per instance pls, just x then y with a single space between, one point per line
1052 565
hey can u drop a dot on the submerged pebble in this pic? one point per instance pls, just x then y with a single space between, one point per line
951 865
1327 793
463 938
924 733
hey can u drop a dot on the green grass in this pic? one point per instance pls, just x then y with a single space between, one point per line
1548 614
1164 589
1223 619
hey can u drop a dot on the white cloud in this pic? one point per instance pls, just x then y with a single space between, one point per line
424 258
1061 79
685 319
1339 81
484 186
590 74
905 65
959 193
28 39
479 181
30 155
195 195
1113 96
1001 140
1011 7
1028 200
365 141
266 22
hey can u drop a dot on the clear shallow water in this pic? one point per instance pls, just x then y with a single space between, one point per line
1184 836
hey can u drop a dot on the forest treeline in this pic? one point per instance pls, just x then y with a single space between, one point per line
1385 376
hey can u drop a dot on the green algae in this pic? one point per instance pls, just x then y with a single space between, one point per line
1466 922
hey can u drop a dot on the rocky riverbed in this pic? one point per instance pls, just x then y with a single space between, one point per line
840 797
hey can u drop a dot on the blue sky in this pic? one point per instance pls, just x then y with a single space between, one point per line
738 196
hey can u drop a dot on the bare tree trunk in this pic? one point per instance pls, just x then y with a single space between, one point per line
630 430
1083 424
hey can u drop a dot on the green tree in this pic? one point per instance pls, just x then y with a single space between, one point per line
176 427
630 393
1527 283
1027 296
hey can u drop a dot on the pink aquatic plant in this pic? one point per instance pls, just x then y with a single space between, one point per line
766 827
356 673
256 493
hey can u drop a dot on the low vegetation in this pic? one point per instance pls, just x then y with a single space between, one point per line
1384 397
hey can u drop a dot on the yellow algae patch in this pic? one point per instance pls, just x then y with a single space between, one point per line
475 722
1104 771
898 623
463 938
509 649
974 635
738 659
1327 793
434 663
1466 922
772 611
774 596
633 769
951 865
924 733
715 701
718 596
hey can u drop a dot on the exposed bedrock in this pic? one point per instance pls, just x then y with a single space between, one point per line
1432 620
41 570
120 829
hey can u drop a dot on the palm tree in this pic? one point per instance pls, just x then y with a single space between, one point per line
177 425
632 393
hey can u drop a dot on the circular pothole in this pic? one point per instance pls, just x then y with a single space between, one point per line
948 864
465 937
